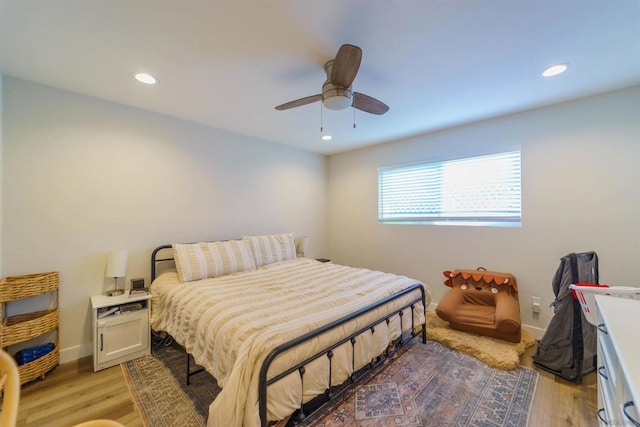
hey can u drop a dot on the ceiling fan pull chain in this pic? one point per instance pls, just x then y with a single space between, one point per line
321 117
354 117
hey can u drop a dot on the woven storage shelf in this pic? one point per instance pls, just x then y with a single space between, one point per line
39 367
29 285
23 327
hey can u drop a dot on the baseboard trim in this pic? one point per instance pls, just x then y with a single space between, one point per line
74 353
536 331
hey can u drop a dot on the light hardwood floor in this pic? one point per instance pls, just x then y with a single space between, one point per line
73 393
562 403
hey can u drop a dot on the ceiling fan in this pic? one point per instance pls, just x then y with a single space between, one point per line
336 90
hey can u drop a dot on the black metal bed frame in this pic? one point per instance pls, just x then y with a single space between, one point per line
332 392
155 260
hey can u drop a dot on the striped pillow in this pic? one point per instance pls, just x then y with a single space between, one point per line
270 248
197 261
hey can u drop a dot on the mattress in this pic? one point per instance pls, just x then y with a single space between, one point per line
231 323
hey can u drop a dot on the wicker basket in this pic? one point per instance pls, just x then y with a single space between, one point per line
29 285
39 367
24 327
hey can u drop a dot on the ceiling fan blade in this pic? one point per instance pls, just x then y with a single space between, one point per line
300 102
346 65
368 104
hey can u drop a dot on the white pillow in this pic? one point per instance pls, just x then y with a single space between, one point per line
195 261
270 248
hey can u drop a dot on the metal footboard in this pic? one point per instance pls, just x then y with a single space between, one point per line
264 383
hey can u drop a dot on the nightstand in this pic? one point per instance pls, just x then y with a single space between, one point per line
120 328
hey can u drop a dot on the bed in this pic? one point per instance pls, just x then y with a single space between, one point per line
279 332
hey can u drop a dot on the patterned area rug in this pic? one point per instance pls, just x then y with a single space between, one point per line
431 385
427 385
162 397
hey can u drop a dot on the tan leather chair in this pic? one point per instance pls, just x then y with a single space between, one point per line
482 302
10 386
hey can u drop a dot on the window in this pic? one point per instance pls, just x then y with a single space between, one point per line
481 190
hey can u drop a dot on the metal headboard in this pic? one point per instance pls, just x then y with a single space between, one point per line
155 260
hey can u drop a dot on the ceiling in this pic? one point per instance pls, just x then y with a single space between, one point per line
227 64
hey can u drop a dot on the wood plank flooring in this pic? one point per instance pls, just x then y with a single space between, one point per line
73 393
562 403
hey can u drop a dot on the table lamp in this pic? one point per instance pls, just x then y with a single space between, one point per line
116 267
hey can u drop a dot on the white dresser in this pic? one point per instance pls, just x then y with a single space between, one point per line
618 361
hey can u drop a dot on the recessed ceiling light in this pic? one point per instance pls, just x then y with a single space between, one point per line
554 70
145 78
327 137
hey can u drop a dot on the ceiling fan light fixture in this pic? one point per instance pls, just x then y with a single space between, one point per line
326 137
338 102
336 97
554 70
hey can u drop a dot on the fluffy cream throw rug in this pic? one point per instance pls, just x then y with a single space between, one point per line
491 351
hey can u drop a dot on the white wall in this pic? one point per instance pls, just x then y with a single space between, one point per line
81 177
580 192
84 176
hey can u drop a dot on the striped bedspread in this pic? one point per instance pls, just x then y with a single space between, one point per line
231 323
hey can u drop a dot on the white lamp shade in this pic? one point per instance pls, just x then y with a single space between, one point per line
117 264
302 244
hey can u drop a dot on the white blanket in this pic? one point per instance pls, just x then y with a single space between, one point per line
231 323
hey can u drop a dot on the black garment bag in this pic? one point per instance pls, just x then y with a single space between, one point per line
569 345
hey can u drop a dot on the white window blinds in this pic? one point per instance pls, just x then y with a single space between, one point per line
481 190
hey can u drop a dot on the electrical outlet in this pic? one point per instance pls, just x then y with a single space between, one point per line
536 304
